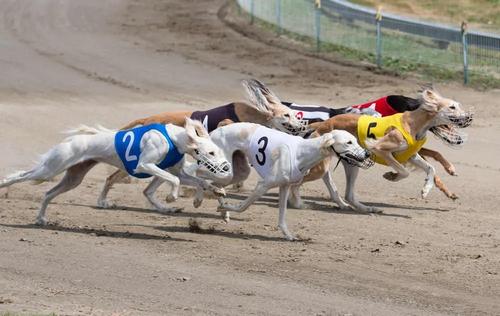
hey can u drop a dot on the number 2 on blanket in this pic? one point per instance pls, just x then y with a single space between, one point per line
370 126
262 150
128 156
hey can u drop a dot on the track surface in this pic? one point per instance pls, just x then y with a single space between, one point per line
69 62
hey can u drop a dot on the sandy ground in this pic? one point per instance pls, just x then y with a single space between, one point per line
69 62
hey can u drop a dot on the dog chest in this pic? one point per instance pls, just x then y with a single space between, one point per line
128 148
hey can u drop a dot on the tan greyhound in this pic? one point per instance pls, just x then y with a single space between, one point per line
394 140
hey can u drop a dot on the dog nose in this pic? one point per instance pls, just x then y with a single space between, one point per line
367 154
225 168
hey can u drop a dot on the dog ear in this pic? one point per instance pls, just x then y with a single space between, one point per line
431 100
328 142
190 126
260 96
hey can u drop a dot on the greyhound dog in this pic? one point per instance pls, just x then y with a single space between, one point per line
142 152
280 159
386 106
264 108
394 140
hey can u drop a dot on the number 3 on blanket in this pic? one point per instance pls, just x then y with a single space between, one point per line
262 150
128 156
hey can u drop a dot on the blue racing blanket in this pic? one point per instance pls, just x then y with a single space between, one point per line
128 148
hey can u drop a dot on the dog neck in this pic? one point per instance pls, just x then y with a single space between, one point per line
310 153
179 137
247 113
418 122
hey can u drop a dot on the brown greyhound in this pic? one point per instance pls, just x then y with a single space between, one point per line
394 140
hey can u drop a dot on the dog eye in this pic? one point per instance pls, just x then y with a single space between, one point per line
287 115
211 153
349 142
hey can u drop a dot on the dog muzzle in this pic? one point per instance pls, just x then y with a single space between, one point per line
359 158
449 135
215 168
300 130
462 120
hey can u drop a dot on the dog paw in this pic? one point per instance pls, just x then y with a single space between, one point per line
451 170
41 221
219 192
105 204
391 176
169 210
453 196
225 216
171 198
374 210
197 202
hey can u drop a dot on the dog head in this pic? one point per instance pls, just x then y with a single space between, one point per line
449 115
345 146
279 116
212 162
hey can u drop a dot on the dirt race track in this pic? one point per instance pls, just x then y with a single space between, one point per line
69 62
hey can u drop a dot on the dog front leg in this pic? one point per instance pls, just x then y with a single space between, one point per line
351 173
436 155
430 172
150 191
152 169
261 188
334 193
283 192
201 185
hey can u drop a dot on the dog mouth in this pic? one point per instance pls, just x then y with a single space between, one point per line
359 158
449 135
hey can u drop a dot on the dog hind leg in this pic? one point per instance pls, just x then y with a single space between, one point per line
102 201
71 180
295 200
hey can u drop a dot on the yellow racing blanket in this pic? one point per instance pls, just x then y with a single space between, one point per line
377 127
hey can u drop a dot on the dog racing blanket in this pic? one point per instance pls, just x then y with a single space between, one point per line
376 127
212 118
128 148
264 150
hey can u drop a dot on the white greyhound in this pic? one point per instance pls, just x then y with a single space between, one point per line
280 159
143 152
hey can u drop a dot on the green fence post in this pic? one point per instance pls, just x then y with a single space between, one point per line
378 19
278 15
252 11
464 49
318 24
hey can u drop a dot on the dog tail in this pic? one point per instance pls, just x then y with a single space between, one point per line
88 130
15 177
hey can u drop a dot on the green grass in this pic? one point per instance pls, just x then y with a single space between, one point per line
482 14
401 53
